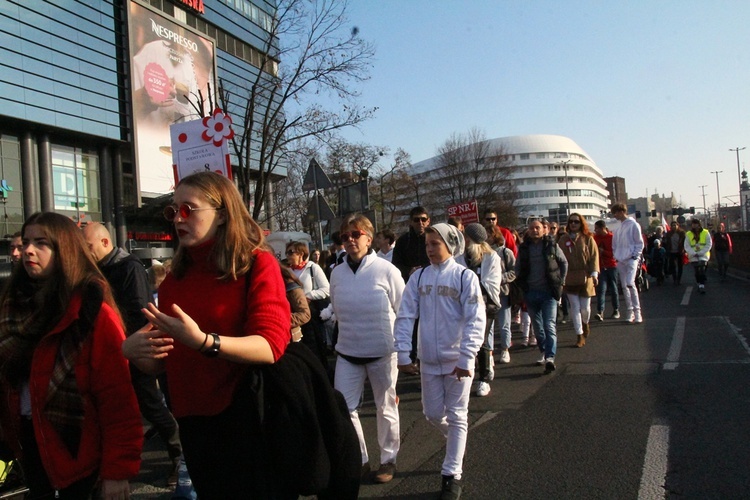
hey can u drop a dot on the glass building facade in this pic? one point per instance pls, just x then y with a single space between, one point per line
66 117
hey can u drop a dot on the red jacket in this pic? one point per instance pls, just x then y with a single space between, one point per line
252 305
606 257
112 435
510 240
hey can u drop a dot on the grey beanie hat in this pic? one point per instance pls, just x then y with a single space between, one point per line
476 232
452 237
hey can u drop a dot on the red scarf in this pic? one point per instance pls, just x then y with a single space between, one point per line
300 266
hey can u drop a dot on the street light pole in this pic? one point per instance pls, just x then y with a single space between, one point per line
567 190
718 196
739 180
705 208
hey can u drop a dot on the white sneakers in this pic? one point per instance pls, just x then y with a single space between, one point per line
483 389
505 356
634 316
541 359
549 365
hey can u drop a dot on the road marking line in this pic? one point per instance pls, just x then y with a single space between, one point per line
686 296
486 417
674 350
654 474
736 332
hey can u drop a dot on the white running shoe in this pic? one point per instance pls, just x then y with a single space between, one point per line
637 318
483 389
549 366
629 316
505 357
541 359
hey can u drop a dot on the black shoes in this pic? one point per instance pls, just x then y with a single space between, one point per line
451 489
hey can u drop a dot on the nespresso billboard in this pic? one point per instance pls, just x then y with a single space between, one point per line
169 64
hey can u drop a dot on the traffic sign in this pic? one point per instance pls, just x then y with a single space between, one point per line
315 178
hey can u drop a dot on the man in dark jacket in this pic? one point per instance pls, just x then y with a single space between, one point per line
540 271
410 252
130 286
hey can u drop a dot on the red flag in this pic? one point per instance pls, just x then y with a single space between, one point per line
664 224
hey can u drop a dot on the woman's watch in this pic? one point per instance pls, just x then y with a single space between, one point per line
213 350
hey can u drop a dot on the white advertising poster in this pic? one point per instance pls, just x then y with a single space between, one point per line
201 145
170 65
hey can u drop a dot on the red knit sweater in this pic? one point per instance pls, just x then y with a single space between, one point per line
204 386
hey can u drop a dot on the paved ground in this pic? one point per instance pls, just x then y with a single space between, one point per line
643 411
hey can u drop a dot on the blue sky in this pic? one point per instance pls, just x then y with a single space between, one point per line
654 91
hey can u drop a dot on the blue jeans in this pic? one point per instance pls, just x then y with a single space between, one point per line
607 280
542 308
501 324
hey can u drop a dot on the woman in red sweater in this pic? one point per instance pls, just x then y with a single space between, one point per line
68 407
222 308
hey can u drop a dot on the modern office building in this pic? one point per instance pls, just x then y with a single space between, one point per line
553 175
88 90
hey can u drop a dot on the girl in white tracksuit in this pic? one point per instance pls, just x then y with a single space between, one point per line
447 299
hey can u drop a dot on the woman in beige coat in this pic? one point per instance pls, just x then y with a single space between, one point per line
580 249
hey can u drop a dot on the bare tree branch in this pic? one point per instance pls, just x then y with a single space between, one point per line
314 93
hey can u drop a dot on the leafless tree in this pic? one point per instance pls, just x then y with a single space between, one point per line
311 66
390 187
469 167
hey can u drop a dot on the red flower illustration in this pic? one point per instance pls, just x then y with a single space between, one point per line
218 128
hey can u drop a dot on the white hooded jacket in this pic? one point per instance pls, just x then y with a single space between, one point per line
447 299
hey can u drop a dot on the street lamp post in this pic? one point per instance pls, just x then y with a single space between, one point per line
567 190
718 196
739 181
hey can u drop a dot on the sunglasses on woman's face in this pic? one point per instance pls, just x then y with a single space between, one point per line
290 252
574 221
184 210
355 235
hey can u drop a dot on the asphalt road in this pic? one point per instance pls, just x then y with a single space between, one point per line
646 411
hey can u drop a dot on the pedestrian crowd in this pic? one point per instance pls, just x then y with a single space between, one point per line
226 351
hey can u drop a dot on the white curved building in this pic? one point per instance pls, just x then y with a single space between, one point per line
551 172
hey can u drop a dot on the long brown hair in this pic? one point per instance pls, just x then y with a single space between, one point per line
73 269
236 239
584 225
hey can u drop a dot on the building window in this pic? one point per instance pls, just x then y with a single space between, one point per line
541 156
524 156
75 182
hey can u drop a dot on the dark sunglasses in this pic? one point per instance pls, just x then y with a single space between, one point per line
290 252
420 219
491 219
574 221
355 235
184 210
